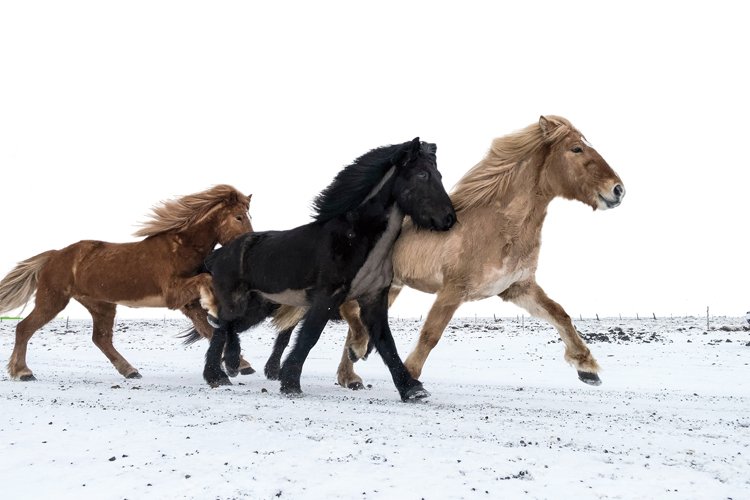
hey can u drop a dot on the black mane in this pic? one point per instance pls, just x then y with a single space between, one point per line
354 183
350 186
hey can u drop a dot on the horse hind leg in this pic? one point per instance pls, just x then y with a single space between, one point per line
46 306
198 316
345 374
273 364
355 347
212 372
103 315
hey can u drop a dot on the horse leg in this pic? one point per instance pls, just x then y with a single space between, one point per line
374 314
357 345
312 326
197 315
232 351
212 372
103 314
440 314
46 306
530 296
273 365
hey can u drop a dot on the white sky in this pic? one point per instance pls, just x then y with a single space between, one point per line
107 108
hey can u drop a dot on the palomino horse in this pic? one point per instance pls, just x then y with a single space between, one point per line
501 204
344 254
163 270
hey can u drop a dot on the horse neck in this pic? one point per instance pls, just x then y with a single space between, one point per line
523 200
378 204
197 240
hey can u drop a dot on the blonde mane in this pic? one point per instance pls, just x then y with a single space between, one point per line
491 176
183 212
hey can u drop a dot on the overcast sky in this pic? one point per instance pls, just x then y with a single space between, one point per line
107 108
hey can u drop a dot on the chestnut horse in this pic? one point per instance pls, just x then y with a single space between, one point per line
493 250
162 270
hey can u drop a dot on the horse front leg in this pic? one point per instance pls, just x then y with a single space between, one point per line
374 315
440 314
530 296
357 345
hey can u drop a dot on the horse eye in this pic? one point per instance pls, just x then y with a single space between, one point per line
577 149
422 174
239 217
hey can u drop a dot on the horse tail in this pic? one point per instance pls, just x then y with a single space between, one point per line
19 285
190 335
287 317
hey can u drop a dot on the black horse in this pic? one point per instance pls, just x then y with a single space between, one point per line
344 254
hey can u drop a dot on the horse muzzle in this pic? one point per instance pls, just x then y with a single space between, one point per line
444 223
611 199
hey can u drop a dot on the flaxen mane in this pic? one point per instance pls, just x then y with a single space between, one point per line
183 212
482 184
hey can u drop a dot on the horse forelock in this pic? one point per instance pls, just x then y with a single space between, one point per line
489 178
181 213
354 183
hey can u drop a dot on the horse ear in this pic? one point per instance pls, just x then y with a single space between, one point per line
249 197
416 145
548 127
545 125
405 153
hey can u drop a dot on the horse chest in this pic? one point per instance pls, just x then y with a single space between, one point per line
497 280
377 271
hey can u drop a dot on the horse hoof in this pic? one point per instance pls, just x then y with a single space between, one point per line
589 378
355 386
27 378
212 320
247 371
415 394
272 373
133 375
220 382
291 390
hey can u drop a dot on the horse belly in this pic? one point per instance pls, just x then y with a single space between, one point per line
150 301
297 298
497 281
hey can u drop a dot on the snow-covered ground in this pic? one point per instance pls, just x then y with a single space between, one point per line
507 417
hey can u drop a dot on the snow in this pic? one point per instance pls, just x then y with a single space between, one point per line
507 417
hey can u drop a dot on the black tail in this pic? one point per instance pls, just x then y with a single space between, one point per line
190 335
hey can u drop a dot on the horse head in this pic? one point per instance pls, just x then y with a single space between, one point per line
233 218
574 170
418 186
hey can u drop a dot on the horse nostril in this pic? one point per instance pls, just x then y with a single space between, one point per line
450 219
618 190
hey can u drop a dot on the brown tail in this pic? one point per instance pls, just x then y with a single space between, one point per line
17 288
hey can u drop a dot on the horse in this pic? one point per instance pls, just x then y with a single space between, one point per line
344 254
501 204
162 270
